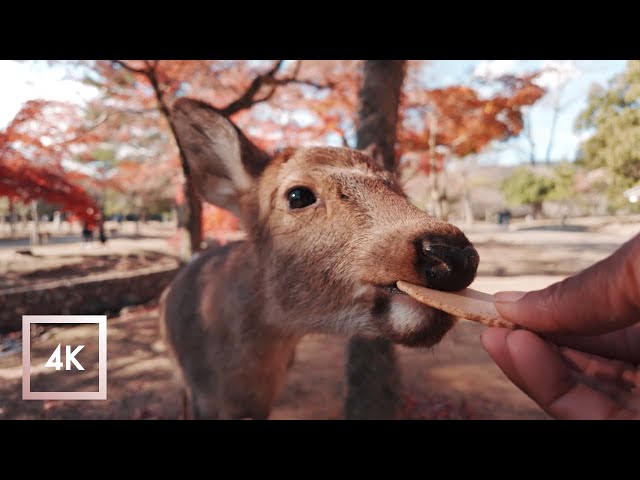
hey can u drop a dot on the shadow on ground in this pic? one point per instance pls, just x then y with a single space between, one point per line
457 380
76 265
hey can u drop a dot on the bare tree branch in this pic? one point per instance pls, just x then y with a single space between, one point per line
568 102
311 83
345 142
297 69
275 68
245 100
130 68
150 73
293 78
267 96
528 134
248 98
85 130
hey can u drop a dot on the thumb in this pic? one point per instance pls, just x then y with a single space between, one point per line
600 299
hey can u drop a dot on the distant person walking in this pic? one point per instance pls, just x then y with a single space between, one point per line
103 236
87 232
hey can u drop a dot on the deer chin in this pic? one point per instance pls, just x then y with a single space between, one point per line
406 321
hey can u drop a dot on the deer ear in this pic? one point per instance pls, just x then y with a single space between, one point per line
223 163
375 153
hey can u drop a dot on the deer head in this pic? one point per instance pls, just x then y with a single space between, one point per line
332 232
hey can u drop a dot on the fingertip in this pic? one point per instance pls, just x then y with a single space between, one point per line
492 338
508 310
523 314
506 304
520 340
494 341
508 296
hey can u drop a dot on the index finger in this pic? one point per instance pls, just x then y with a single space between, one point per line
603 298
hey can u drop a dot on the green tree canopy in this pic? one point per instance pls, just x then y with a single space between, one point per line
564 182
526 187
613 113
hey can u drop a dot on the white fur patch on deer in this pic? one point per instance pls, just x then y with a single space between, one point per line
405 317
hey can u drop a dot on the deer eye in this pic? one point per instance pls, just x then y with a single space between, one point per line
301 197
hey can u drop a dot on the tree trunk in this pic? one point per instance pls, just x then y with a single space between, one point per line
466 207
552 131
378 110
373 376
57 221
12 219
529 136
137 211
435 193
536 210
35 225
190 219
191 209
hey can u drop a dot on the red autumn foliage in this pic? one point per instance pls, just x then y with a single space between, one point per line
140 94
26 182
456 121
32 148
278 103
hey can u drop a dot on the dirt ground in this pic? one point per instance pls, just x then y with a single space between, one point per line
65 256
454 380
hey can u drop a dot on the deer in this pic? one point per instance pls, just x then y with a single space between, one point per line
329 232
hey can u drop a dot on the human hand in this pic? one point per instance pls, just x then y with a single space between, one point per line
586 367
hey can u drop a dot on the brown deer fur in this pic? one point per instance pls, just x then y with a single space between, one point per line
233 316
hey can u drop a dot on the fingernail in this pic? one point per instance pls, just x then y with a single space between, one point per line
508 297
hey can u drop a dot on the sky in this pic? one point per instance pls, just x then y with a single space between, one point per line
22 81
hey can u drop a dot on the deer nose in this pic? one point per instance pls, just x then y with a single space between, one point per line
446 265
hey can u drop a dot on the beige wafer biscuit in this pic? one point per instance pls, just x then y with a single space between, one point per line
468 303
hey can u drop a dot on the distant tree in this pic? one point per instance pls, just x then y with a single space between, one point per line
564 182
454 122
554 76
526 187
564 189
33 148
613 113
138 96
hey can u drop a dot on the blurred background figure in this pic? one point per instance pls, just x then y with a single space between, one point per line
102 235
57 221
87 232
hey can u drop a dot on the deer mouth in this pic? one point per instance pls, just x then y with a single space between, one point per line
392 288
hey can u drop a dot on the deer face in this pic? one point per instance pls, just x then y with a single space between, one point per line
333 232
